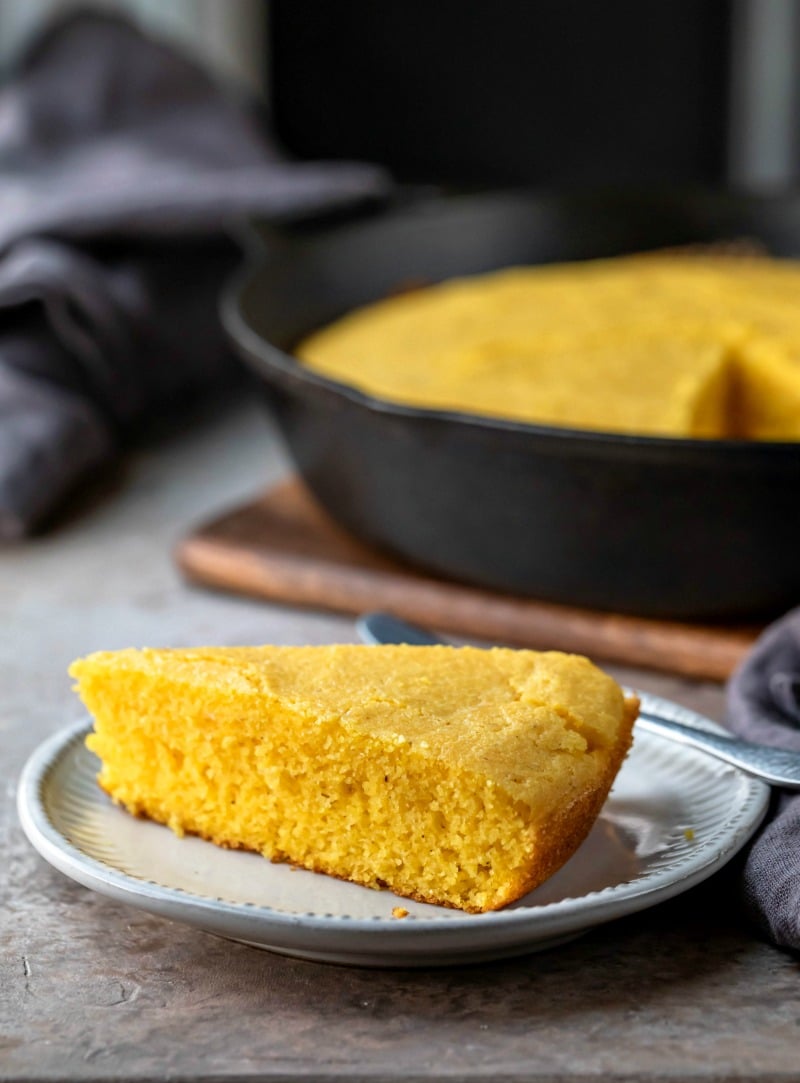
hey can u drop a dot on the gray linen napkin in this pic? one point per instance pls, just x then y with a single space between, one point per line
764 706
122 167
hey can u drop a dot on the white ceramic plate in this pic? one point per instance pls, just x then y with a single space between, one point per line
674 817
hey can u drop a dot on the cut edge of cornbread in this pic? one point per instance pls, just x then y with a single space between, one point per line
765 390
366 798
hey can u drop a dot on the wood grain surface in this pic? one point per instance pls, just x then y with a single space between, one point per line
284 548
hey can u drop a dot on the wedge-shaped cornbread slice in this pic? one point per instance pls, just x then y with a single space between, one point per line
454 776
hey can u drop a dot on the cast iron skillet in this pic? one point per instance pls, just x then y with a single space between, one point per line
643 525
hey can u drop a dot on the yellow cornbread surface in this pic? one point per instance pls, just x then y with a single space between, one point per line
454 776
663 345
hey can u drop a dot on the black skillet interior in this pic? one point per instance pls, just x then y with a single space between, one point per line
656 527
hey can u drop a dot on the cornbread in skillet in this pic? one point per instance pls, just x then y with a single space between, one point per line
454 776
659 345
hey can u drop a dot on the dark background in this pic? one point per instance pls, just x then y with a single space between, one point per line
552 93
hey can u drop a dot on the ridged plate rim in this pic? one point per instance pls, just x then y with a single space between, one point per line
378 940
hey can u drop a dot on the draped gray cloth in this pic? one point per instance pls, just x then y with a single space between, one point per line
764 706
123 166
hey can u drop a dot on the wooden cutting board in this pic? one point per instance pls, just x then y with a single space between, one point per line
284 548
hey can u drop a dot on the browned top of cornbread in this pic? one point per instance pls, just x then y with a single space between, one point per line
492 711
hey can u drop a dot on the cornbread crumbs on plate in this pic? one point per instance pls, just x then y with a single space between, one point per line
399 912
454 776
704 346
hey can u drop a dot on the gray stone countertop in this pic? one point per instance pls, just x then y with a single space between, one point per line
96 990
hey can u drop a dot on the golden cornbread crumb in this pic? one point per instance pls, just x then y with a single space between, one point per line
688 834
399 912
455 776
663 345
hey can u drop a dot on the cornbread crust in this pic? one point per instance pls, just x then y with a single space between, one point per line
436 772
571 825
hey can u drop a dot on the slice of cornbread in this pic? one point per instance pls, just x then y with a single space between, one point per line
455 776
